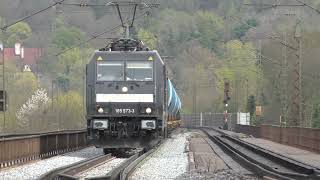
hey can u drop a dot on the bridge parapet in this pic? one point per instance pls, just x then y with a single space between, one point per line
304 138
20 149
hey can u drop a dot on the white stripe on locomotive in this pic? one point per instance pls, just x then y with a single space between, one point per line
124 98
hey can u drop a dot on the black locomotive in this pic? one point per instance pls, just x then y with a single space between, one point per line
129 98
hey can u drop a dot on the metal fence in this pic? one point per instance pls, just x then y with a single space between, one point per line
208 120
305 138
21 149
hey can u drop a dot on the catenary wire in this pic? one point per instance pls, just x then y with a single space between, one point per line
31 15
96 36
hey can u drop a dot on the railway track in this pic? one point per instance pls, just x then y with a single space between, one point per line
88 169
128 170
261 162
69 170
106 167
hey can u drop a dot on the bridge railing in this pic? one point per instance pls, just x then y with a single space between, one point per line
208 119
305 138
23 148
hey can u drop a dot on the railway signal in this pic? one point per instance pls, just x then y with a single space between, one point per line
225 101
226 93
2 100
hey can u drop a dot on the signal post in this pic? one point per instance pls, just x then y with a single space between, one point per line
225 102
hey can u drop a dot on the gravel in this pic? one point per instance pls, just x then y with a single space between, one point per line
216 175
34 170
168 162
102 169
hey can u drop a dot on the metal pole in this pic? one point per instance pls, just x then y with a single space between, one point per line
237 92
286 79
226 30
259 71
297 102
299 36
38 75
3 88
300 81
247 88
201 119
58 108
52 94
194 98
284 84
311 118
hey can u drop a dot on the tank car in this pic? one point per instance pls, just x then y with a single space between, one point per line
129 98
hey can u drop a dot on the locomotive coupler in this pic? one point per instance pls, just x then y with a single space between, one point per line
122 129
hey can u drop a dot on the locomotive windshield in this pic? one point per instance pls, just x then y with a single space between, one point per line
110 71
139 71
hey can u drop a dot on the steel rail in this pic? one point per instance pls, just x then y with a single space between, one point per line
127 171
71 172
231 146
55 173
317 169
124 170
116 172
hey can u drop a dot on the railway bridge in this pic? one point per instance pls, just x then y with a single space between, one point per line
289 153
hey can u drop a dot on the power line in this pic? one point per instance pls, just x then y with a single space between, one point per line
96 36
277 37
111 3
266 6
297 97
88 40
85 4
31 15
262 56
142 5
273 61
266 58
4 30
150 6
272 5
309 6
115 3
270 36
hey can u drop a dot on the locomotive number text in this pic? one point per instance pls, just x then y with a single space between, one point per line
124 111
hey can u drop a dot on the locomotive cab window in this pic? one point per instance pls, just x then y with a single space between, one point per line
110 71
139 71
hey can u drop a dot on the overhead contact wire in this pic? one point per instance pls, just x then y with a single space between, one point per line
309 6
31 15
95 36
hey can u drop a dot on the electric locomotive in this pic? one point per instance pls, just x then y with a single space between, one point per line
129 98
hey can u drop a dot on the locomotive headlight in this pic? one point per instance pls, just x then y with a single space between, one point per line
100 124
125 89
148 110
148 124
100 110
